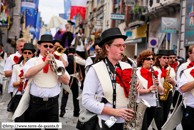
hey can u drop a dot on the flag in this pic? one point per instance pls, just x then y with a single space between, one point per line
31 6
78 6
31 14
38 27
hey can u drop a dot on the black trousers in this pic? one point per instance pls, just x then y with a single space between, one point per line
116 126
17 99
162 114
82 54
43 111
75 92
148 117
188 118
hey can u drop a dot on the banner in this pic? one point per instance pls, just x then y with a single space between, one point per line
67 7
38 27
31 16
30 5
189 23
78 7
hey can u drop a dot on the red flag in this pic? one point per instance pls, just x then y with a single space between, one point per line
78 6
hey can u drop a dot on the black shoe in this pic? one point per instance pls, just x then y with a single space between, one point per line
62 113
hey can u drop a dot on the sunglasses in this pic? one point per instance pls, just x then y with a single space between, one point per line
150 59
29 53
171 57
46 46
165 57
120 45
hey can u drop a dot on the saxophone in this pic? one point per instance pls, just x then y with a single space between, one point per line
136 122
167 86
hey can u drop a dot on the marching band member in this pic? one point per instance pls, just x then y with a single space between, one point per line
17 79
101 80
62 57
161 65
90 60
172 60
13 59
43 88
144 62
76 78
185 86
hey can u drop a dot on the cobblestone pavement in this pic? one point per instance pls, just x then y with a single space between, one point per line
68 121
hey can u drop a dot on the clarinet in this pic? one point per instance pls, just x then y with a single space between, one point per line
24 81
156 92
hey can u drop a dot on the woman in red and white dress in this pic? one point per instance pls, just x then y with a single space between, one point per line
144 74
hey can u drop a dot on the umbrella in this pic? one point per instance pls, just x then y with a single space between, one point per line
56 21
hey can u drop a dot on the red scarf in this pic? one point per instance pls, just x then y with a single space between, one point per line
164 72
20 88
174 65
125 76
56 57
46 68
192 72
16 59
148 76
191 64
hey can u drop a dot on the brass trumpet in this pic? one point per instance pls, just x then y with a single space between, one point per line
53 64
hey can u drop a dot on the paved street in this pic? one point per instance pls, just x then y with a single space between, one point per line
68 121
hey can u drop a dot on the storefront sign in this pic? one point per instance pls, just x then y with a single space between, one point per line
168 25
153 42
189 23
130 3
4 24
117 16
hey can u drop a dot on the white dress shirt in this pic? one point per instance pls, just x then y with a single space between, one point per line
189 101
89 60
8 67
14 79
179 71
42 92
65 58
92 87
79 48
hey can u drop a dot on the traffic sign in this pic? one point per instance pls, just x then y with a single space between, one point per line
153 42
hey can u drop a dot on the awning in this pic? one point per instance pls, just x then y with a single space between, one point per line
137 40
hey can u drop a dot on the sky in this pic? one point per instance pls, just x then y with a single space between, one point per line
48 8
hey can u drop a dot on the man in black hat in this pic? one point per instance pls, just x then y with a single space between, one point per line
172 60
101 80
76 77
62 57
44 89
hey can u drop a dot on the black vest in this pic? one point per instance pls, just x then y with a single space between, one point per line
70 67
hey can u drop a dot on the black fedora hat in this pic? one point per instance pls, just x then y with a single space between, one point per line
57 40
46 38
171 52
28 46
71 22
111 34
163 52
